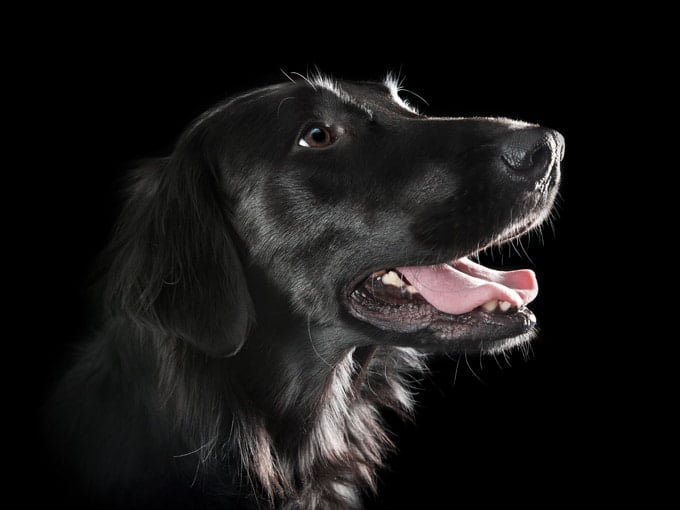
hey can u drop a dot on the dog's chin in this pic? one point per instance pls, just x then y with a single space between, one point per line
408 319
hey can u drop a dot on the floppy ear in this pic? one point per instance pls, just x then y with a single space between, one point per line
174 266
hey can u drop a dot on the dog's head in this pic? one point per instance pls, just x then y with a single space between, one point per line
359 212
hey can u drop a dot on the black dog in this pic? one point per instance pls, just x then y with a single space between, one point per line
272 284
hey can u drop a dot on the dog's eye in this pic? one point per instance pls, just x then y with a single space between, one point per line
316 137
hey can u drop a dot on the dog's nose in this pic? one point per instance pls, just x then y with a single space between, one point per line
531 152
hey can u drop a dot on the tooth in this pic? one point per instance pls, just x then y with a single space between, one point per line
490 306
504 306
393 279
411 289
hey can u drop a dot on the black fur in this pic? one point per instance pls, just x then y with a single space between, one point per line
227 371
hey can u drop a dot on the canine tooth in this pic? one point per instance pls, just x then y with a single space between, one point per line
490 306
393 279
504 306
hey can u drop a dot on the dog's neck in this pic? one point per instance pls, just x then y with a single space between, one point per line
303 423
317 435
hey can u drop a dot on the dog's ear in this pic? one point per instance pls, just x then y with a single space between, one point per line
174 265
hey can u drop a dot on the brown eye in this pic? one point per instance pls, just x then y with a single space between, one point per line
316 137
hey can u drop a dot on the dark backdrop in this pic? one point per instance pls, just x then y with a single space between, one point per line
549 427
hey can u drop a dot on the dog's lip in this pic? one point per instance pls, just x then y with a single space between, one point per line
478 328
473 299
514 231
492 282
454 263
453 289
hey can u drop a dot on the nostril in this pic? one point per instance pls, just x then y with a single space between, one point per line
541 156
522 160
530 152
527 161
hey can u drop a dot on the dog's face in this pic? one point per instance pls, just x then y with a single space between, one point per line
365 213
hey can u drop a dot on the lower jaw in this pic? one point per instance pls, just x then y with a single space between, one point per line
424 327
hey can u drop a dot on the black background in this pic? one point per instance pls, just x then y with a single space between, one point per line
557 426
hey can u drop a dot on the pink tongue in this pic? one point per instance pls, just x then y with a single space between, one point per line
464 285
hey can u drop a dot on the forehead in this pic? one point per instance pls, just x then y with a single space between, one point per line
367 98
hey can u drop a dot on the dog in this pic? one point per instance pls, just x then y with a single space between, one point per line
280 279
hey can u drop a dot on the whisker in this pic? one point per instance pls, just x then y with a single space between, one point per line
287 75
305 78
467 362
526 254
455 372
495 357
278 109
416 95
311 341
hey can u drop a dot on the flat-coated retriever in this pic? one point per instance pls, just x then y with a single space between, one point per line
276 281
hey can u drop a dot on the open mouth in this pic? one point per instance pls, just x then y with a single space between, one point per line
461 300
459 305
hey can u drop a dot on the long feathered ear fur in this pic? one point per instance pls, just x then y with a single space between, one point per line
174 267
